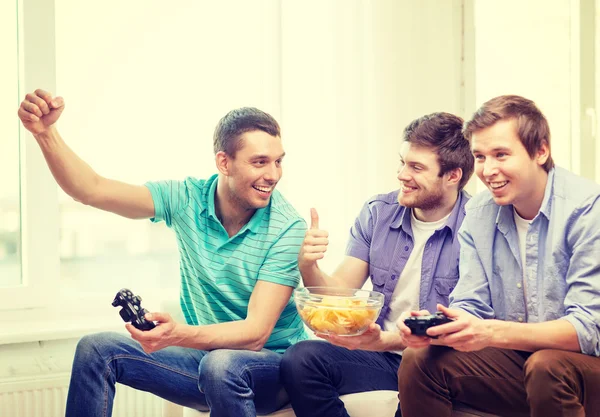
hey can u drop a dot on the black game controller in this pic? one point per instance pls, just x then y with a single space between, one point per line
132 310
418 325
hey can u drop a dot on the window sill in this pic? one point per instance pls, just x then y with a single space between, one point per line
66 318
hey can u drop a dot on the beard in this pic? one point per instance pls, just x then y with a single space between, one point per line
427 200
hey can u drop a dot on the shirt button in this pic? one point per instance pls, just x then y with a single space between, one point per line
519 285
520 319
406 248
393 276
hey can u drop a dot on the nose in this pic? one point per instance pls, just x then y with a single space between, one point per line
489 167
403 174
272 173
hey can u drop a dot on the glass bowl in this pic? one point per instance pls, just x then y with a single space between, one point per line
339 311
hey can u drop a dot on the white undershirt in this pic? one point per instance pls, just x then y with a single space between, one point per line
522 227
406 294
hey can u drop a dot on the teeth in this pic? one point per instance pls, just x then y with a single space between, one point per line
263 189
496 185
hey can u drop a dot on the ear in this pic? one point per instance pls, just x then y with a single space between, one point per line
453 177
223 162
542 154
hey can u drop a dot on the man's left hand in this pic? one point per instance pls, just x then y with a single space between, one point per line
166 333
465 333
369 340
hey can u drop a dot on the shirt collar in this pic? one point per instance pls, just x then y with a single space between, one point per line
402 216
505 219
254 222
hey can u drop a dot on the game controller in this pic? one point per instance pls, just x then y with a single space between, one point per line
418 325
132 310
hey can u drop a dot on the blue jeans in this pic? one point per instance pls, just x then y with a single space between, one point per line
236 383
315 373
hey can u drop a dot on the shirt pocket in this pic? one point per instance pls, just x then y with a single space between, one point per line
378 278
443 286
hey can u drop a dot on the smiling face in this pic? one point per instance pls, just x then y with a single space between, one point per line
504 166
252 174
422 187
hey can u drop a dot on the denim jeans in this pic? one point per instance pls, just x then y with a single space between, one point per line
235 383
315 373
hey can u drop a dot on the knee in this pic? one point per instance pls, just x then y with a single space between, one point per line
543 371
543 365
218 365
302 359
419 363
90 348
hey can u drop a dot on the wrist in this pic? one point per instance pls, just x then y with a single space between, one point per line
499 330
48 137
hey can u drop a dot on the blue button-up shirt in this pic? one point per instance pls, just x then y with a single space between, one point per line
562 261
382 237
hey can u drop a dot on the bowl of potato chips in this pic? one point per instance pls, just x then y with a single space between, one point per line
339 311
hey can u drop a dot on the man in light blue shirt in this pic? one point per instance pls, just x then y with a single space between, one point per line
238 242
525 337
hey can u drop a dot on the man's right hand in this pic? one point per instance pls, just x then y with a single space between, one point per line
315 242
408 339
39 111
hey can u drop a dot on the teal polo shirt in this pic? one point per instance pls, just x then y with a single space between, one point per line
218 272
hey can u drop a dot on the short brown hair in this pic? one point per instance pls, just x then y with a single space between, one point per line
442 132
239 121
532 127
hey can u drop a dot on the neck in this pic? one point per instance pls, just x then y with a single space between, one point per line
438 212
531 205
232 215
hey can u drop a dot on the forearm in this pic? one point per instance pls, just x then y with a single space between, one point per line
312 276
72 174
530 337
391 341
238 334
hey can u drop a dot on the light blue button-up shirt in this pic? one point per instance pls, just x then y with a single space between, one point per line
562 265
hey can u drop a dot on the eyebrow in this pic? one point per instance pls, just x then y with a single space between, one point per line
499 148
266 156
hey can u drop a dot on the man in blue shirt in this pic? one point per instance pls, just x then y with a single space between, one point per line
406 242
525 339
238 241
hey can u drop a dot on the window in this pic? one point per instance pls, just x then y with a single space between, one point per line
10 211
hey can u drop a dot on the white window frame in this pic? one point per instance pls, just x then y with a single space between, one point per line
40 270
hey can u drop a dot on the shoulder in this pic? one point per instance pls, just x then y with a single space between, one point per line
573 190
281 215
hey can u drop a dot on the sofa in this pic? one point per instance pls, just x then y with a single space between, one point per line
364 404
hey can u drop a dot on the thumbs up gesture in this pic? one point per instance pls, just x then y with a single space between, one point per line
315 242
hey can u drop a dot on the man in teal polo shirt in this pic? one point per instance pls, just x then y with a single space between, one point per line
238 241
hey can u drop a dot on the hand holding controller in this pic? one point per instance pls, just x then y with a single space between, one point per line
418 325
132 310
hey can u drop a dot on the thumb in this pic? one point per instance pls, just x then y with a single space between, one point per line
57 103
314 219
159 317
448 312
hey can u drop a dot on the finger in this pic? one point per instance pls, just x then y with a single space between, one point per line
455 326
315 249
314 219
57 103
448 312
32 108
313 256
44 95
310 239
135 333
159 317
25 116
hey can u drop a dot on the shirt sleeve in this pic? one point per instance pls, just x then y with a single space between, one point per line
169 197
359 243
281 263
472 292
582 303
